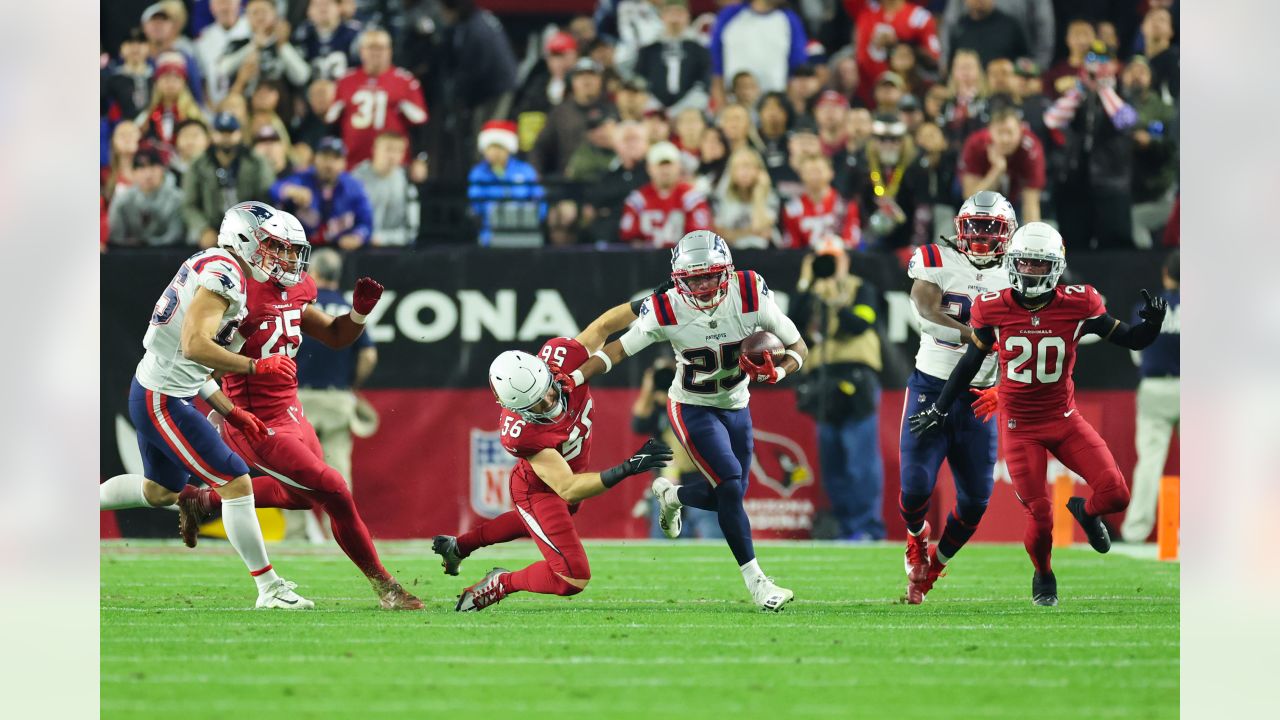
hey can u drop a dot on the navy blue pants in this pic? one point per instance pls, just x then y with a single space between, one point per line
853 474
177 441
720 444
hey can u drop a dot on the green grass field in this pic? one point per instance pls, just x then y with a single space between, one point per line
664 631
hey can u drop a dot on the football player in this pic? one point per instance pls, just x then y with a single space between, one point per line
281 309
192 324
706 315
946 279
1035 326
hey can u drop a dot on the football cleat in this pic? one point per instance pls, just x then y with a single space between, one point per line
1097 533
1044 589
668 507
483 594
393 596
446 546
933 570
192 510
917 558
280 595
769 596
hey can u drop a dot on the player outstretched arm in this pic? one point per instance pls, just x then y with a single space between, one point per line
199 327
613 320
552 468
339 332
931 418
927 297
1135 337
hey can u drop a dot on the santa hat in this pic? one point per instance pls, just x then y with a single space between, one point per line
499 132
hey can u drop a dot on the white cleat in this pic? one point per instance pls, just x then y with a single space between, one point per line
768 595
668 507
280 595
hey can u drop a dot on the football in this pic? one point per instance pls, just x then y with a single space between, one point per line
760 342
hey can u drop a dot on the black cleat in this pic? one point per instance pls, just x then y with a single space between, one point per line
1097 533
446 546
1044 590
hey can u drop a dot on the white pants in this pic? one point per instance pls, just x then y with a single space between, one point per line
1157 416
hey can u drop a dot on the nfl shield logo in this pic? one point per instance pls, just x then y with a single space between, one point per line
490 473
1035 321
1013 424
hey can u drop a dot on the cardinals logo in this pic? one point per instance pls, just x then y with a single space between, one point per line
780 463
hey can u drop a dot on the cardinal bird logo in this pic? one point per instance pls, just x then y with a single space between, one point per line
780 463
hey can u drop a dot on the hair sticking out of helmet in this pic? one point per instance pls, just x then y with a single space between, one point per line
1035 259
984 225
701 266
523 384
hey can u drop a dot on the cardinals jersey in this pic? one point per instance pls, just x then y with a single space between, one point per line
163 369
1037 349
660 221
273 326
706 343
961 283
369 106
569 434
805 222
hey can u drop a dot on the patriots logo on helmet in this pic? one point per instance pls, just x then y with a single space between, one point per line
259 211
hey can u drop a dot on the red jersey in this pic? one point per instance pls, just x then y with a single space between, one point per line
1037 349
651 218
272 326
911 24
569 434
368 106
1025 166
805 222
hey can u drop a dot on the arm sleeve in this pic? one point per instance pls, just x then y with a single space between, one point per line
961 376
717 48
772 318
797 56
295 66
644 332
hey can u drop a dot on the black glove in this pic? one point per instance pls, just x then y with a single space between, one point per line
665 286
654 454
1154 309
926 421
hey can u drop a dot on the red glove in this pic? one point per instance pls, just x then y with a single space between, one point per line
247 423
987 404
566 382
367 294
276 364
764 372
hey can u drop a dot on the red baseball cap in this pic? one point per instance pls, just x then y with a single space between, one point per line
831 97
561 43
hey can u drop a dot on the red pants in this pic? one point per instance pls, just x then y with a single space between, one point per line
549 520
1079 447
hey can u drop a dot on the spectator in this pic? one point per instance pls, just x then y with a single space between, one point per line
264 109
545 86
226 174
593 157
888 94
393 197
819 212
1158 409
744 90
911 112
329 44
635 23
936 100
966 109
376 97
1093 190
713 158
1035 17
171 101
735 121
1162 54
904 62
831 113
228 25
268 144
162 23
1062 76
632 99
1155 153
126 89
746 208
988 31
1007 158
503 189
801 141
836 311
265 55
603 202
802 87
880 28
761 37
125 140
775 121
583 29
689 125
848 164
567 123
236 106
150 211
677 67
887 189
309 127
844 78
331 204
936 195
659 213
657 125
191 140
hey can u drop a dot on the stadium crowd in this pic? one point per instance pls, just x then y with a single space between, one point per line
776 124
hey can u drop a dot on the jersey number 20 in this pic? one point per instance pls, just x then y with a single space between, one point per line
1021 369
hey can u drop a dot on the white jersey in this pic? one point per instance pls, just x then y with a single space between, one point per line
961 284
706 344
163 369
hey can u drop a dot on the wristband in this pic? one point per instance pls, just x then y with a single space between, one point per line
604 357
356 317
208 389
779 373
795 356
577 377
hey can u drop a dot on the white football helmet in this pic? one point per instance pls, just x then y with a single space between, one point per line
291 269
984 225
699 254
254 232
519 381
1039 243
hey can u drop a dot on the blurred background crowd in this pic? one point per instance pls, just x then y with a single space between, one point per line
577 122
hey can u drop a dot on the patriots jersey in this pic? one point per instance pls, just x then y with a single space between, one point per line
961 285
163 369
707 343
